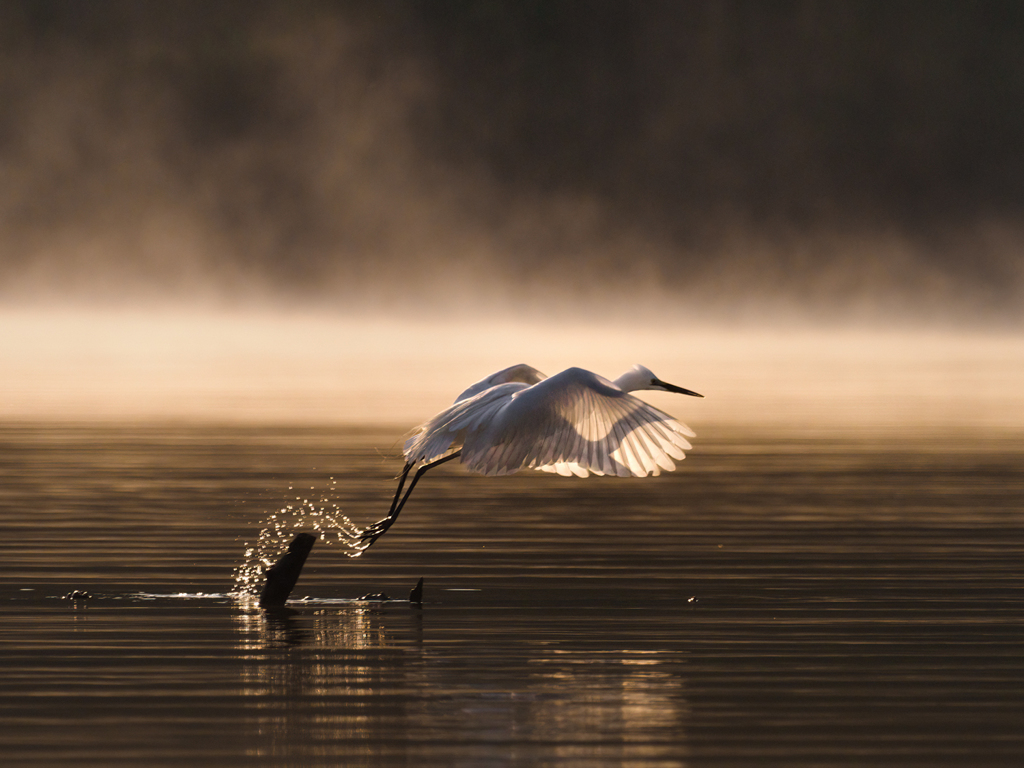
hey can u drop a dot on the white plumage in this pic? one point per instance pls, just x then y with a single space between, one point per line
574 423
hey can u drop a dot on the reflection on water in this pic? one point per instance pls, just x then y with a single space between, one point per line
370 677
634 696
784 602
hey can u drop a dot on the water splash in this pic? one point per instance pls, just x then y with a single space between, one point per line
321 516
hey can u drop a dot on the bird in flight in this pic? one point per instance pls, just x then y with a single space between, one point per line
572 423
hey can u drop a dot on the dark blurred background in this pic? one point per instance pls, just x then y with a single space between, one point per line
728 159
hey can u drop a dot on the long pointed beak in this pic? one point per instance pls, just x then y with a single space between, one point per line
678 390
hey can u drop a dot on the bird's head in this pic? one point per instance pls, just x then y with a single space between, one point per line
640 377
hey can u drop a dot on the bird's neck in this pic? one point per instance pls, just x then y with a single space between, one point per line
631 381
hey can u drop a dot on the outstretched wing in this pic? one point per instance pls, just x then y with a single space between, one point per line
446 432
521 373
572 423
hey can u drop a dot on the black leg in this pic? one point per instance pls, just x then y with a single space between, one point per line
375 531
398 491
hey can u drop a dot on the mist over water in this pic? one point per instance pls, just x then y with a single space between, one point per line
322 369
345 212
245 247
727 161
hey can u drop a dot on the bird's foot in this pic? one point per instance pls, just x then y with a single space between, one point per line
368 535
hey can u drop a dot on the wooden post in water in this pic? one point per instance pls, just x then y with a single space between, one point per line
416 596
285 572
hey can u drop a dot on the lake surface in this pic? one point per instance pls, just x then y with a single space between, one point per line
800 601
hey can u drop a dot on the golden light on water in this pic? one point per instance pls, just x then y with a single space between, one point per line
324 370
320 369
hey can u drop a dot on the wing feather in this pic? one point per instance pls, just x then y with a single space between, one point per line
574 423
605 427
620 434
578 442
658 457
645 449
594 437
636 464
605 456
670 441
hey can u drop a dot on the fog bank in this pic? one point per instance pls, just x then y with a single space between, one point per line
731 161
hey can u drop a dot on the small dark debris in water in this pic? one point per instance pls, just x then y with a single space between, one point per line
78 594
416 596
375 596
285 572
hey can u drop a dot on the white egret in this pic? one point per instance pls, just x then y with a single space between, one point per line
573 423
